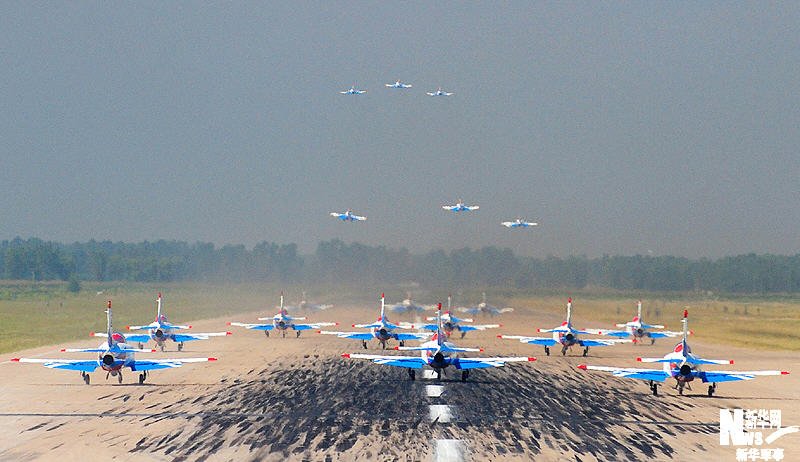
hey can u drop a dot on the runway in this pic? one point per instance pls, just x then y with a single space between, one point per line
297 399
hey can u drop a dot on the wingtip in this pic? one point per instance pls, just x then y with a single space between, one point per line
91 334
127 327
16 360
538 330
531 358
480 350
153 350
499 336
730 362
228 323
397 348
212 359
639 359
189 326
228 333
582 366
346 355
353 325
63 350
782 372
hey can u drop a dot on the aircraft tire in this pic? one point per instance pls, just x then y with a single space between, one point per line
119 377
86 378
464 375
412 374
547 351
141 378
180 346
364 344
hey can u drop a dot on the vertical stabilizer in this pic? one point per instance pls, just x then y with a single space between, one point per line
158 308
440 334
639 311
449 299
569 311
110 326
282 310
383 309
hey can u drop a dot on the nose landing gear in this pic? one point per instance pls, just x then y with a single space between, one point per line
85 377
547 351
412 374
142 377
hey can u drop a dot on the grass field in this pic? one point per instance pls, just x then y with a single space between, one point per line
35 314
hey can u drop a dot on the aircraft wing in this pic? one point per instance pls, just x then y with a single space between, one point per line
731 376
468 207
654 326
656 375
665 334
443 348
359 217
432 327
269 326
544 341
598 343
352 335
152 325
412 336
153 364
688 360
482 363
316 325
203 336
63 364
409 362
141 338
610 333
473 310
478 327
103 350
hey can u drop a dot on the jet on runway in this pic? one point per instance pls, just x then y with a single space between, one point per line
407 306
683 366
398 84
382 330
438 354
347 215
564 335
283 322
451 323
161 330
484 308
637 329
519 223
113 355
304 305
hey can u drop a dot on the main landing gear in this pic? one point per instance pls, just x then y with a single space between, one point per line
412 374
547 350
711 389
402 343
564 350
654 388
681 385
463 333
298 334
142 377
85 377
464 375
141 346
162 347
180 346
585 351
438 374
364 344
266 332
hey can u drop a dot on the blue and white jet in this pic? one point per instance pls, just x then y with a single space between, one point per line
450 323
382 330
438 354
283 322
439 92
484 308
683 366
519 223
564 335
304 305
460 207
398 84
408 306
353 91
161 330
637 330
113 355
347 215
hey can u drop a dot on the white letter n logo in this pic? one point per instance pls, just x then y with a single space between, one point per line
731 427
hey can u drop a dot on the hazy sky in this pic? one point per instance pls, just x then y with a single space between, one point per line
621 127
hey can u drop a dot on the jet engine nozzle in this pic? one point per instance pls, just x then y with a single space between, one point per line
108 359
569 337
160 333
686 370
640 331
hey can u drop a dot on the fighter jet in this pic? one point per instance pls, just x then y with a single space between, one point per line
304 305
353 91
484 308
460 207
451 323
683 366
407 306
439 92
382 330
518 223
161 330
113 355
564 335
438 354
282 322
398 84
637 329
348 215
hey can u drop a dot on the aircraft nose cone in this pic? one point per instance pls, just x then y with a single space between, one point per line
686 370
569 337
159 333
640 331
108 360
383 332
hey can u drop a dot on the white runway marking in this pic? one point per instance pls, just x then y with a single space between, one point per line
428 374
450 451
441 413
434 391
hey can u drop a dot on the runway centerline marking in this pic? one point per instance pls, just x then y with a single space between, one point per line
434 391
450 451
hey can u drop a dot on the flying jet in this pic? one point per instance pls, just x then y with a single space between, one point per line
451 323
353 91
565 335
348 215
460 207
398 84
683 366
519 223
382 330
438 354
484 308
637 329
439 92
282 322
407 305
113 355
161 330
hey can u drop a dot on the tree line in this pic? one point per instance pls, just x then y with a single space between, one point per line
338 262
